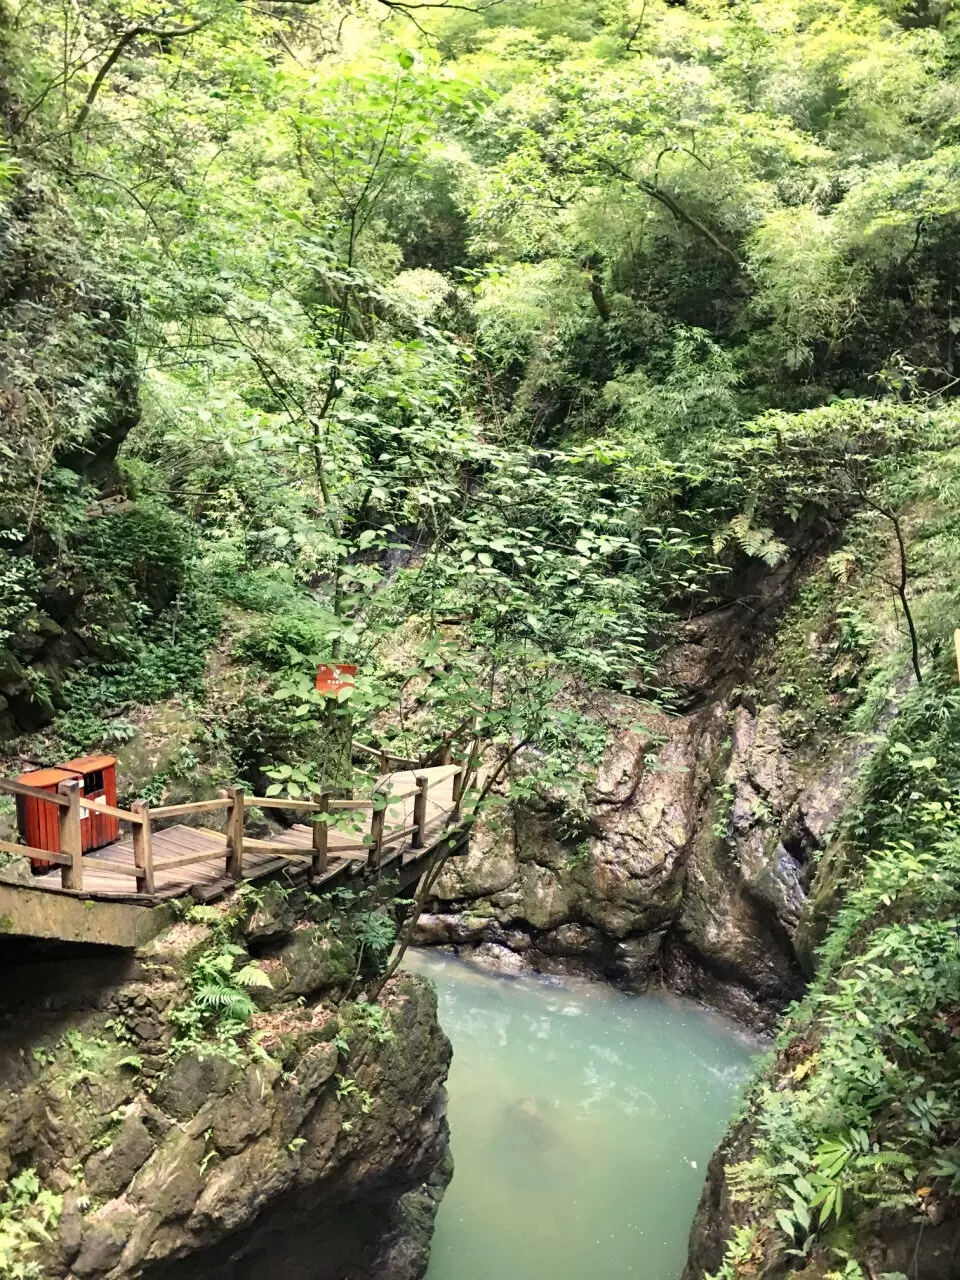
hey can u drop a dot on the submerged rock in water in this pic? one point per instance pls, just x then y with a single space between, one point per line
525 1119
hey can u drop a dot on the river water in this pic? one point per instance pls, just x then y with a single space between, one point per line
582 1121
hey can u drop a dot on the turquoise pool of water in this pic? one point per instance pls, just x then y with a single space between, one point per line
582 1121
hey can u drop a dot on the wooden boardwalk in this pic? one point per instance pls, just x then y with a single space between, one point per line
405 815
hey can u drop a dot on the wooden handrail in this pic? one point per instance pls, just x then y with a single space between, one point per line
420 810
323 804
262 846
382 754
359 838
184 859
143 848
235 839
192 806
441 772
278 802
391 837
21 789
394 795
71 834
377 819
321 839
101 806
27 851
108 864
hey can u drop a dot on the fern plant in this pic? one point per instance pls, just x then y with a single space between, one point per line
756 541
221 1004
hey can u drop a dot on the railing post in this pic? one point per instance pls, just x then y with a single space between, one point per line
321 837
420 811
71 837
235 834
446 755
143 847
459 786
377 820
384 762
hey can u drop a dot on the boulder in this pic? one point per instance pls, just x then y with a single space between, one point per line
191 1080
110 1169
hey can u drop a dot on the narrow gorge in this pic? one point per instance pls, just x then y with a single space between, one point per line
479 687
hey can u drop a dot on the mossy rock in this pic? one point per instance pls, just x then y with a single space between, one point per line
32 710
191 1081
313 960
153 762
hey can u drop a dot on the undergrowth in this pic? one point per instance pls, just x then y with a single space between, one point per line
860 1110
29 1214
216 1016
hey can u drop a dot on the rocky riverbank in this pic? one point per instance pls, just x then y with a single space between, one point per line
157 1137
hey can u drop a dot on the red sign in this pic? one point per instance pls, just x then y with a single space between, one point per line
332 677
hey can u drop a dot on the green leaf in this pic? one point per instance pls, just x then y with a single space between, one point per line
787 1223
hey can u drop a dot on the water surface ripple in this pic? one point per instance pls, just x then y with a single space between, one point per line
582 1123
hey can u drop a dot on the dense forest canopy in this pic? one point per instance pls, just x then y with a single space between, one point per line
528 316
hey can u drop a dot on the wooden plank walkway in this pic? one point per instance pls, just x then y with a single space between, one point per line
201 860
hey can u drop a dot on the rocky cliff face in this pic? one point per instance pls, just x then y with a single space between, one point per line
694 866
693 856
317 1148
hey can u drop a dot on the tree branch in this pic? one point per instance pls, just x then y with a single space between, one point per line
628 47
430 876
900 586
657 193
128 37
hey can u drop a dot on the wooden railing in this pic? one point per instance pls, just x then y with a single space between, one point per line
441 754
70 804
231 843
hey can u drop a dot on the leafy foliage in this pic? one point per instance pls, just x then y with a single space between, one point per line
216 1017
869 1114
29 1214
